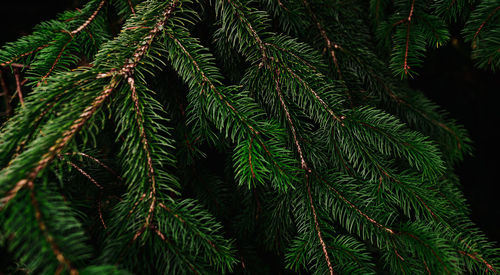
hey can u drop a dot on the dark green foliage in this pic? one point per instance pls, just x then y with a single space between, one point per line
228 136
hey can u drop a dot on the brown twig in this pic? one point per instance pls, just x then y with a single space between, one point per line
486 20
474 257
24 54
17 65
99 210
5 93
18 86
145 144
98 162
276 78
89 20
406 67
316 225
85 174
250 157
131 6
49 238
325 37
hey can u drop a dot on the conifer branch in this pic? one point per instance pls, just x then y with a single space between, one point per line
252 32
58 57
102 164
48 237
485 21
145 145
275 114
479 259
129 2
85 174
316 225
89 20
319 99
303 162
6 63
5 93
330 46
406 67
72 34
62 141
18 86
353 206
165 239
93 107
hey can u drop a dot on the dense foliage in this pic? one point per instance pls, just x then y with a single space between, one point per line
231 136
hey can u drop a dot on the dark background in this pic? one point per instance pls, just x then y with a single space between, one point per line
448 77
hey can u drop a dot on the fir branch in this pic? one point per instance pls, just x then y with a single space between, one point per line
6 63
61 142
268 142
330 46
89 20
316 225
145 143
131 6
303 162
368 218
102 164
85 174
50 239
408 22
5 93
485 21
89 111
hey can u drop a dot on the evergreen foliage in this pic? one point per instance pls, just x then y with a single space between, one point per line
230 136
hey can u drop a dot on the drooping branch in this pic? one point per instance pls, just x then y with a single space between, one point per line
316 96
18 86
89 20
64 261
357 209
330 46
316 225
72 34
25 54
5 93
479 259
252 32
276 78
485 21
103 165
62 141
85 174
406 67
90 110
145 146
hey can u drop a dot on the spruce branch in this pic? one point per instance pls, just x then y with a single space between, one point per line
330 46
50 239
85 174
316 225
89 20
485 21
217 138
90 110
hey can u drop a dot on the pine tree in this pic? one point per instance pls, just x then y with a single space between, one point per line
231 136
